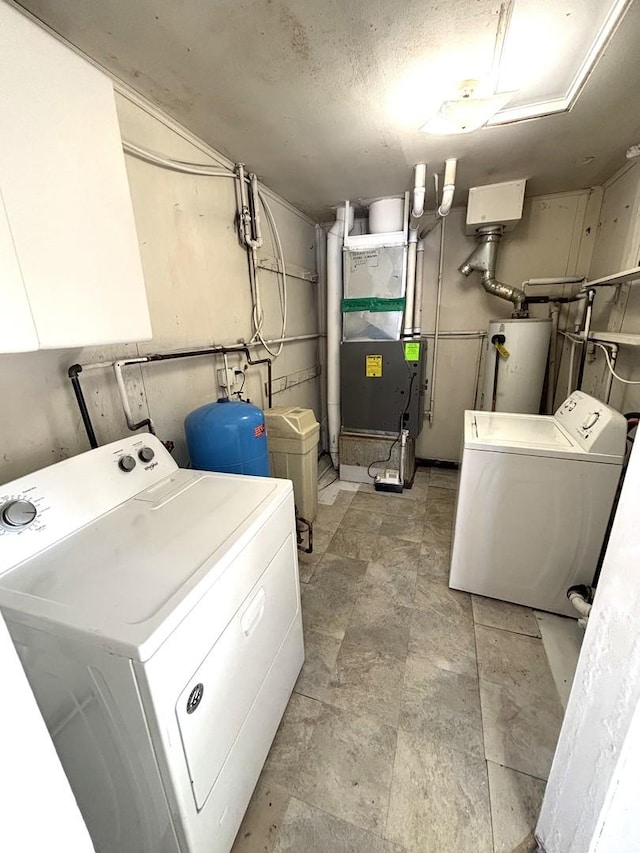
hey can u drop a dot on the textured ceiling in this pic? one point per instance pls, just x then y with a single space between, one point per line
323 98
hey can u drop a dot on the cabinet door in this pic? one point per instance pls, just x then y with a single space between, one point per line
63 179
17 331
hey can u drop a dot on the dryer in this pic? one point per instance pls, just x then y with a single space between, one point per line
535 496
156 612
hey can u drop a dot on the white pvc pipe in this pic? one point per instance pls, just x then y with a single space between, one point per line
449 186
571 364
257 240
335 240
436 335
175 165
417 298
419 193
411 283
583 607
572 279
420 182
124 399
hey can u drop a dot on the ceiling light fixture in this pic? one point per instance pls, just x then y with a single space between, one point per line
470 111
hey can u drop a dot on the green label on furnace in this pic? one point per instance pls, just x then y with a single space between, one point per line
412 351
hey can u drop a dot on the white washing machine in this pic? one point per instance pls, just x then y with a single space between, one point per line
535 496
156 612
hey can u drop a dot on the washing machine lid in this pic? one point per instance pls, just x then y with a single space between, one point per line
131 576
530 435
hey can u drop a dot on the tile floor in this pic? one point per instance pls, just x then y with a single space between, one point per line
424 719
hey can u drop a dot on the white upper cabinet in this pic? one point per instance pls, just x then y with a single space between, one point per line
70 270
17 329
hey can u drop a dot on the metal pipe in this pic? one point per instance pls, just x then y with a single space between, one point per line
149 359
321 307
613 358
585 334
117 365
572 358
553 357
257 239
417 297
478 364
483 259
131 423
74 375
244 213
436 330
559 300
454 334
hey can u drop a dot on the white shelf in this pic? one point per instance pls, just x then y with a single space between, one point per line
626 339
623 277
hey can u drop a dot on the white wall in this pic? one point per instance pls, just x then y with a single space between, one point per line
617 248
198 291
554 238
590 804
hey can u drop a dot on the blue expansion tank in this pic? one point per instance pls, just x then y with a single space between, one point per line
228 436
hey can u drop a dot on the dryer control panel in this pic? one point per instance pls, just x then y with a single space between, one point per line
597 427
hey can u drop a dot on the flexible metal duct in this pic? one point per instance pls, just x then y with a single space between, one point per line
483 259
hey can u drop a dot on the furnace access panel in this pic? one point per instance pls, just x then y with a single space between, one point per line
382 385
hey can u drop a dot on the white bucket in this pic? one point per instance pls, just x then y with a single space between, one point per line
386 214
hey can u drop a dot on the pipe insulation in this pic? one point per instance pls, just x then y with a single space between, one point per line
335 242
483 259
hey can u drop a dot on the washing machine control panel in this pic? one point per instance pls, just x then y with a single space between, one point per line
597 427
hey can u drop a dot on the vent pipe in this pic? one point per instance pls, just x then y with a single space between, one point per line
483 259
335 243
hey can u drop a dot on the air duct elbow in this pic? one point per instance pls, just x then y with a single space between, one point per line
504 291
483 259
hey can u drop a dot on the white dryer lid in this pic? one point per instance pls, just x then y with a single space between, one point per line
531 435
136 571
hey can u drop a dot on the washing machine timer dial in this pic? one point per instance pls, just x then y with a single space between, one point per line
17 514
591 420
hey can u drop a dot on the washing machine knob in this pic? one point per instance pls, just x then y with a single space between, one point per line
127 463
18 514
146 454
591 420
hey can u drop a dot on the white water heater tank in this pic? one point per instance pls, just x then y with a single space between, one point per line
514 365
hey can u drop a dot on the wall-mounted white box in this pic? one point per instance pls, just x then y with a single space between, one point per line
495 204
